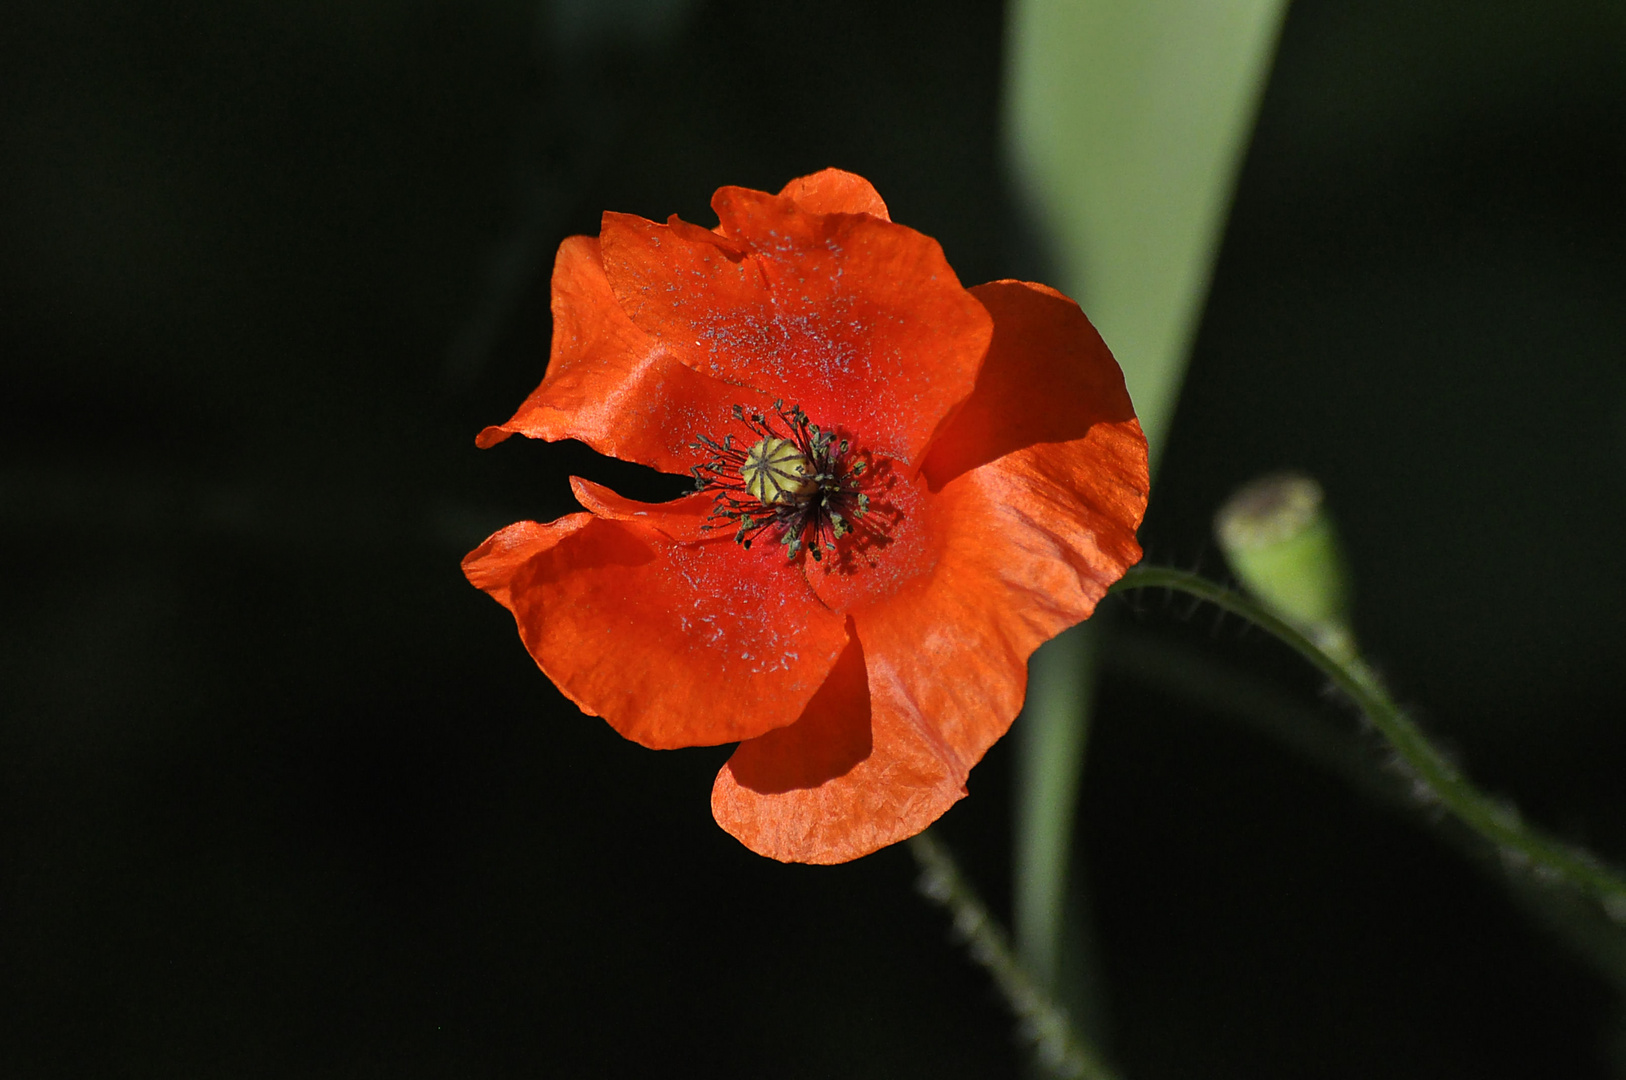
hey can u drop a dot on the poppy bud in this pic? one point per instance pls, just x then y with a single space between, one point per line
1280 543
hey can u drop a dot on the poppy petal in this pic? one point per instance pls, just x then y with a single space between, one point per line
1048 378
852 775
858 320
681 519
836 191
1012 550
611 385
1032 538
674 644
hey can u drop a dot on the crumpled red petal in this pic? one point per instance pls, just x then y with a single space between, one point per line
674 644
1026 541
1049 378
846 779
856 319
613 386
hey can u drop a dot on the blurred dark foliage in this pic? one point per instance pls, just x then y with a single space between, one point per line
281 795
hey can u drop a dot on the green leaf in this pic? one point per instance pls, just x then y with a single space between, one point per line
1127 122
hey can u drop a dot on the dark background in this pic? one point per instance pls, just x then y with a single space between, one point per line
281 795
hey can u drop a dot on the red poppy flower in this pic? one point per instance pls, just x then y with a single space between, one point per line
904 487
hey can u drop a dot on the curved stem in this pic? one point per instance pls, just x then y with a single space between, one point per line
1496 821
1060 1048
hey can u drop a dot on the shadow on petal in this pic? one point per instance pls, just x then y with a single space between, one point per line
830 739
1048 378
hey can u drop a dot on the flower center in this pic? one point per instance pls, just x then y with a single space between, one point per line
775 471
793 480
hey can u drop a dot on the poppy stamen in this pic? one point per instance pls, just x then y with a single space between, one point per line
793 480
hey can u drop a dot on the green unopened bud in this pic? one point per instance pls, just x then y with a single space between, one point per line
1280 543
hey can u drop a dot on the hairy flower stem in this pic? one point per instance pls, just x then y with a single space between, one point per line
1520 844
1062 1052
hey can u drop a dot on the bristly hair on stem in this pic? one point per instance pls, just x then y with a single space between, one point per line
1061 1050
1521 844
811 479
